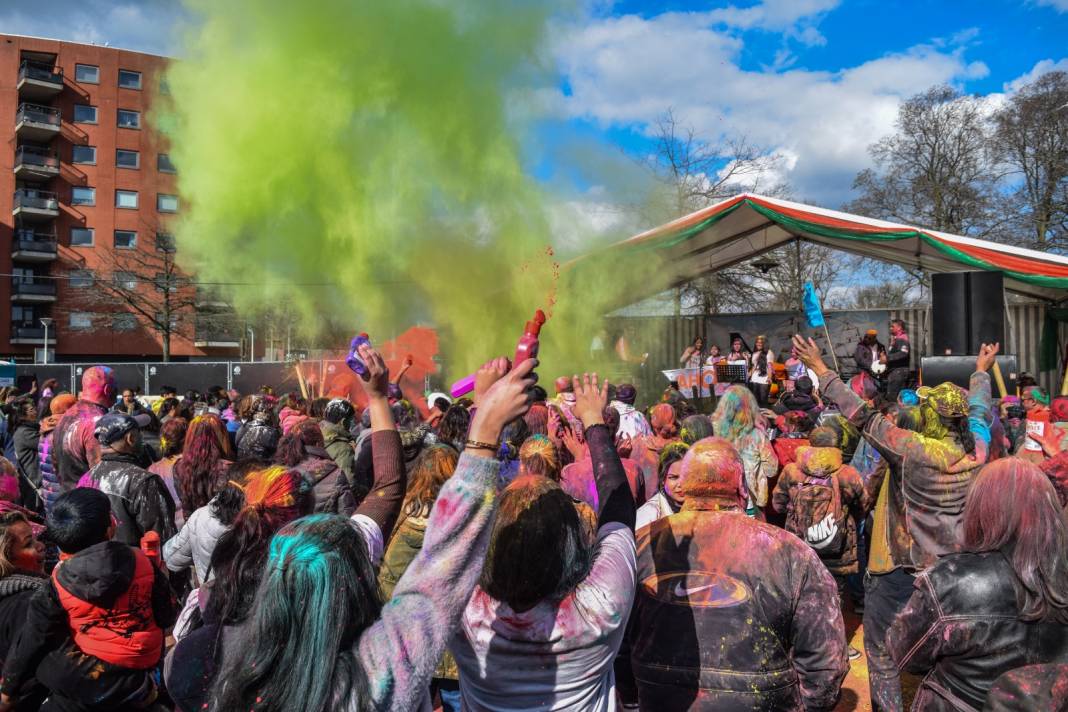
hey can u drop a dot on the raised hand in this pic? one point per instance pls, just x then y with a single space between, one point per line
589 399
507 397
810 354
377 376
987 356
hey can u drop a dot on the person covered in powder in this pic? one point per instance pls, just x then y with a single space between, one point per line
647 448
318 637
74 447
545 623
738 420
999 604
668 498
926 487
632 424
721 624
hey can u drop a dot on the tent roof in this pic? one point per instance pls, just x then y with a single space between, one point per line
747 225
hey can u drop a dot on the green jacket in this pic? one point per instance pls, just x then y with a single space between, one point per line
406 543
338 444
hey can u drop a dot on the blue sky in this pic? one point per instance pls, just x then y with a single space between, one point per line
811 81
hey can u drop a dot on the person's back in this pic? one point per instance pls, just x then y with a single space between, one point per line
332 492
731 613
74 448
1032 688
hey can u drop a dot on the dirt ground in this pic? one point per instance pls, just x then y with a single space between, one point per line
855 688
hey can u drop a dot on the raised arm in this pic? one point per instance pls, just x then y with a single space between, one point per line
382 503
399 652
613 489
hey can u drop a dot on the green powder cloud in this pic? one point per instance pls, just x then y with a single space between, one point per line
375 146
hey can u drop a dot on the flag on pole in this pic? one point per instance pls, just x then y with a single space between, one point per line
811 302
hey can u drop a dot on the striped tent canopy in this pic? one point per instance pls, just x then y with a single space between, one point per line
748 225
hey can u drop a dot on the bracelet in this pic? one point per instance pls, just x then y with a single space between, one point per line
480 445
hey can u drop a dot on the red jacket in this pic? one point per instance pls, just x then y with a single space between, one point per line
114 621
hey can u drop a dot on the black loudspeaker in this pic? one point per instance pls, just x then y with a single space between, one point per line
959 369
967 309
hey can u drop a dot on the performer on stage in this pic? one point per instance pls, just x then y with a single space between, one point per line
694 354
897 359
738 352
714 356
870 355
760 369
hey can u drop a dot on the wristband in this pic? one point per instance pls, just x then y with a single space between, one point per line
481 445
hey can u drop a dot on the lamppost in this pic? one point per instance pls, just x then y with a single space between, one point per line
45 322
252 345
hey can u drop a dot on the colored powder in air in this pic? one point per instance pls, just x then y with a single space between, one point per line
377 147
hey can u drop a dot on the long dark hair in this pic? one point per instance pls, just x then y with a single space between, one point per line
318 594
537 550
453 427
206 443
1013 508
273 497
293 447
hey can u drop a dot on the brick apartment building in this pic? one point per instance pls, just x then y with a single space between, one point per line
87 197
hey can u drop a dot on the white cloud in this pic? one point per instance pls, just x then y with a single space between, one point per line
1043 67
796 19
626 71
1058 5
145 25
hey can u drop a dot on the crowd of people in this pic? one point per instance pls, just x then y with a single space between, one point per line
519 551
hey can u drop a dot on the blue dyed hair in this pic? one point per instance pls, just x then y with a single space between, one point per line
317 595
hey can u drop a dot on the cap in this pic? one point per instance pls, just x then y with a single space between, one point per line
948 400
871 332
113 426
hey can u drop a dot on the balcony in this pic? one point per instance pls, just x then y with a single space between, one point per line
39 81
208 299
217 334
34 122
36 163
30 246
33 290
30 334
35 205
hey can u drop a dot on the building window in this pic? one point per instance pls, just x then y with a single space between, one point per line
127 159
81 195
125 280
166 281
129 79
165 242
164 86
81 237
123 322
86 74
129 119
125 239
81 278
79 321
84 114
83 154
167 203
126 199
160 321
164 165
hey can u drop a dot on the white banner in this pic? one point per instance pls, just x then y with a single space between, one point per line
691 379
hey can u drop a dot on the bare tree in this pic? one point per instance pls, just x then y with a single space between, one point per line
937 169
146 284
1031 135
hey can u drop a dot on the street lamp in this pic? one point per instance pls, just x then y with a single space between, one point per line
45 322
252 345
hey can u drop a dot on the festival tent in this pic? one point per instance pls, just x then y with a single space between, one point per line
748 225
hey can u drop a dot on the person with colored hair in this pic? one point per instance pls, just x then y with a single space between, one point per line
336 427
171 441
537 456
791 433
206 459
1000 603
432 470
95 635
668 498
545 623
75 449
50 489
21 577
737 420
302 450
140 501
318 637
719 623
926 487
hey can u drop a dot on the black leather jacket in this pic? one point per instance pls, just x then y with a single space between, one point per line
962 629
